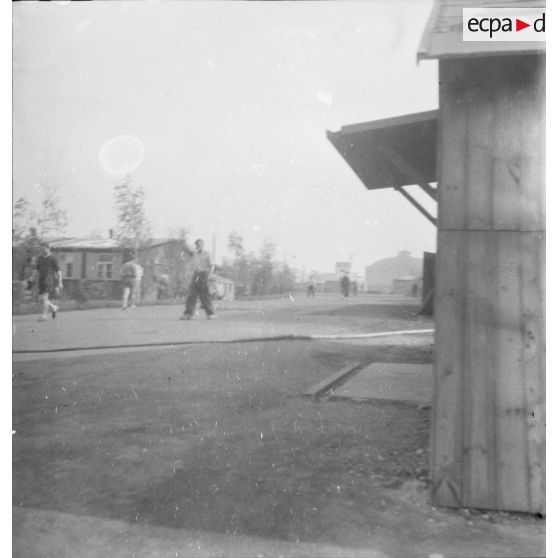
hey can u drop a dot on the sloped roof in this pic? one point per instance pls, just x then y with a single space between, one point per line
369 149
383 272
86 243
443 34
109 244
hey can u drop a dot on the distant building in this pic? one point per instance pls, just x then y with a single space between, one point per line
407 286
342 267
380 276
221 288
331 282
93 266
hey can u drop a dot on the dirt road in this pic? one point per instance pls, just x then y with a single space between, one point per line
211 450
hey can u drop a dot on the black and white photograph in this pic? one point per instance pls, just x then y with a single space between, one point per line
278 278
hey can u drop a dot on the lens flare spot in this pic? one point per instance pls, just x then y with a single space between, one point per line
121 155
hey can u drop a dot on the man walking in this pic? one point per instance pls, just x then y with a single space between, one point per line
129 270
311 291
199 285
345 285
50 281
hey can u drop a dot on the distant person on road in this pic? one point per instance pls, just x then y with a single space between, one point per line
199 284
354 284
311 291
50 281
345 285
129 271
415 290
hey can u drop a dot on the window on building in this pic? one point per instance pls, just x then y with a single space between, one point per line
106 258
104 270
69 269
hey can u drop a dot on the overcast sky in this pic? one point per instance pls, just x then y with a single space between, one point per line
228 104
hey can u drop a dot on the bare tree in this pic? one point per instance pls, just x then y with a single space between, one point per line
236 244
23 219
263 272
256 275
132 227
49 219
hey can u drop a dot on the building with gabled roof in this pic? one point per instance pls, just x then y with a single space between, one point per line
95 265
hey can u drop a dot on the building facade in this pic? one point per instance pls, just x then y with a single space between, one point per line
92 268
380 276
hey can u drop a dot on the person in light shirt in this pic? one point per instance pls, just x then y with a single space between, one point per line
129 270
199 285
136 291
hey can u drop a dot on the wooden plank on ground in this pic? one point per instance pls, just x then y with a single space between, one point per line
333 380
390 381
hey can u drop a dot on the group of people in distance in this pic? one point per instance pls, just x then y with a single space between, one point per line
344 282
48 276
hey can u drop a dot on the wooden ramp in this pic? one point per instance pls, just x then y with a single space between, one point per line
389 381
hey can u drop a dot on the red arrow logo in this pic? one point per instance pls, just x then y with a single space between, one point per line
519 25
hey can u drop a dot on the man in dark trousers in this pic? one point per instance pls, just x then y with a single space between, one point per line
50 281
345 285
199 285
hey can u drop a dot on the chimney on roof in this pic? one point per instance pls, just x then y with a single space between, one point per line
111 233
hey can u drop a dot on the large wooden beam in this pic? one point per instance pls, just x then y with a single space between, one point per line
417 205
413 175
432 192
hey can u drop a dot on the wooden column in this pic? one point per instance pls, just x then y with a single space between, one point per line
488 439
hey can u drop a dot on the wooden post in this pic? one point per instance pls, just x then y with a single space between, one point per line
488 438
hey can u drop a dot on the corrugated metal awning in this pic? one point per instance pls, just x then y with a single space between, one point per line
392 153
443 34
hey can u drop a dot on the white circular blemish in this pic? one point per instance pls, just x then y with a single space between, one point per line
83 25
121 155
324 97
258 169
